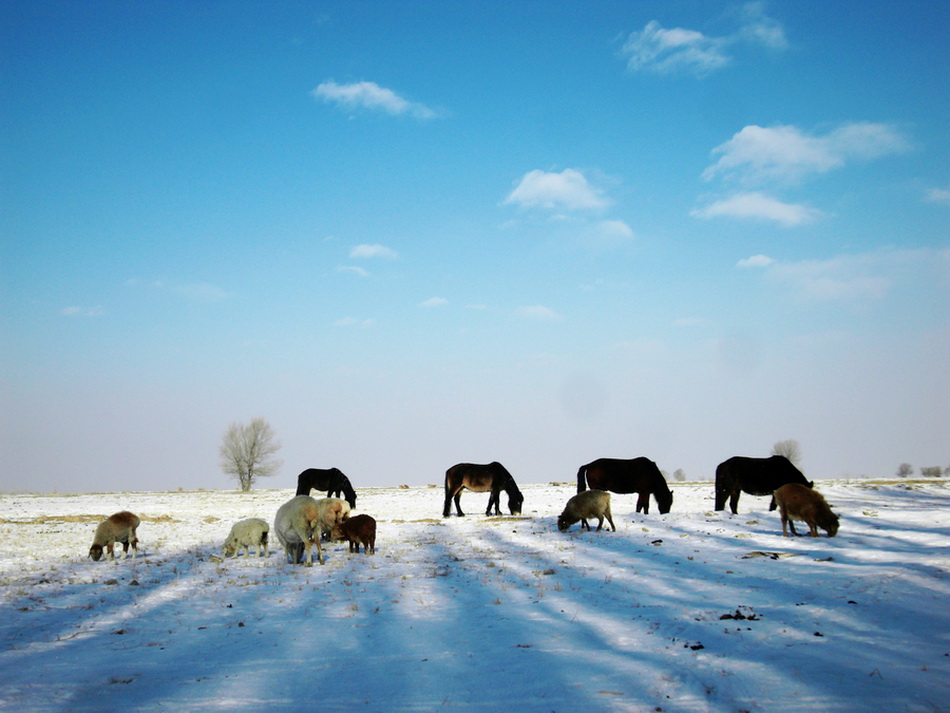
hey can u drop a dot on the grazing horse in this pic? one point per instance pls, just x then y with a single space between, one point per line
332 480
638 475
479 479
756 476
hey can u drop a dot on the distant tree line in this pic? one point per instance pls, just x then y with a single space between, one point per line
905 470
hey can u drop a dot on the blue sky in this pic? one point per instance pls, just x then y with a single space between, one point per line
411 234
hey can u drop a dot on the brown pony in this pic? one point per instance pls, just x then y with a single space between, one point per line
481 478
638 475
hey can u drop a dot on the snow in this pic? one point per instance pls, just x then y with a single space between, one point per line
480 613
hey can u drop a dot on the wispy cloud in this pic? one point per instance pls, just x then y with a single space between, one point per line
660 50
939 195
567 190
755 261
539 312
758 206
201 292
373 251
858 279
353 270
433 302
371 97
77 311
354 323
786 154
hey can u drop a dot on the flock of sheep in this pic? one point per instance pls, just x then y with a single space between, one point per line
302 522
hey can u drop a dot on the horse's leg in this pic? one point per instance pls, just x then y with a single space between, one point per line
449 494
643 502
493 499
734 502
458 503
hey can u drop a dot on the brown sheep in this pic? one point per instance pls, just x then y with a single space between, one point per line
119 527
358 530
796 502
585 506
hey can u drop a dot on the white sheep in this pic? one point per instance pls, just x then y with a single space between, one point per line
246 534
119 527
300 521
585 506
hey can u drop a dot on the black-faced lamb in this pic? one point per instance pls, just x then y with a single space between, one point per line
796 502
120 527
246 534
300 521
357 530
586 506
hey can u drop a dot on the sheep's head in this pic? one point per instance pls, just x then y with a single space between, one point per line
564 522
95 552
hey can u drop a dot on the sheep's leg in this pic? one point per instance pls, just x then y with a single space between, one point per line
600 523
791 526
610 519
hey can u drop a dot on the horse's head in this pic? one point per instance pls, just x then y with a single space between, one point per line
664 501
515 501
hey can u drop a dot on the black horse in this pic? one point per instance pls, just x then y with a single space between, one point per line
756 476
480 479
637 475
333 481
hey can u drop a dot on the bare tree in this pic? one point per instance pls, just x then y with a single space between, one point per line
932 472
678 475
904 470
790 449
247 452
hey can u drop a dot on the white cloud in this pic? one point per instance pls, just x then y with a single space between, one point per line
77 311
353 270
758 206
852 278
759 154
759 28
539 312
373 251
613 231
663 51
371 96
668 51
755 261
567 190
434 302
939 195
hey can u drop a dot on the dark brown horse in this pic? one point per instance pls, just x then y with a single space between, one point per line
332 480
756 476
481 478
637 475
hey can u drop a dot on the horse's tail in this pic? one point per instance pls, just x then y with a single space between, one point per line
303 484
582 478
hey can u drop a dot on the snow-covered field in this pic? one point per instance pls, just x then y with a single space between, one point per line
690 611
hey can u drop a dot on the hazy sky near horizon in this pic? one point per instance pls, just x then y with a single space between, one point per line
410 234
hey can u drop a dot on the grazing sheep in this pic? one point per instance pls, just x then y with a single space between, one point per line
119 527
334 511
585 506
358 530
246 534
796 502
299 519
